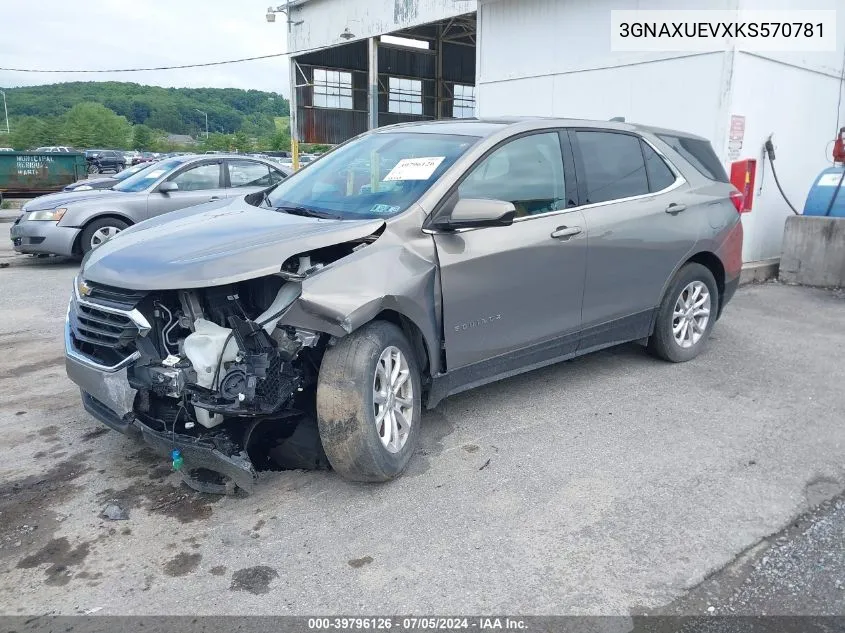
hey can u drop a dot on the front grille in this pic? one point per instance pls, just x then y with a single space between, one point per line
104 328
114 297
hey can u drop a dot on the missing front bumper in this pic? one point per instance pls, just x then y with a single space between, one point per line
198 454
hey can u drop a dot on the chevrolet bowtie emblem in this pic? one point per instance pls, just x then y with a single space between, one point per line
83 288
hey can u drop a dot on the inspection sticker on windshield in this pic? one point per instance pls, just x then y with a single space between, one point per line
383 209
156 173
414 168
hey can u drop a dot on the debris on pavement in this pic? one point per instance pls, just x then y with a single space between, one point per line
114 512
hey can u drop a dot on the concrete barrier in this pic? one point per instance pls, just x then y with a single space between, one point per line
813 251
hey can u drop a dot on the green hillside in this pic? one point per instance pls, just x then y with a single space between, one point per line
131 116
173 110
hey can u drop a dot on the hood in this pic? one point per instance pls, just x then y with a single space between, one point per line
94 183
213 244
53 200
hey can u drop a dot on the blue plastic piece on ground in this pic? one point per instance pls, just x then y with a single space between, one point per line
821 193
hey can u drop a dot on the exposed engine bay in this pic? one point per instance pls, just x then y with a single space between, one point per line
220 383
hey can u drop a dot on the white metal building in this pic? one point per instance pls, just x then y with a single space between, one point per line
553 58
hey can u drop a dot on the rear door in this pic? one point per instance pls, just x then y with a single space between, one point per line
198 182
247 176
512 294
639 228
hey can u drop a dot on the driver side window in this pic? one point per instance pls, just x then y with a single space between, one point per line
199 178
527 172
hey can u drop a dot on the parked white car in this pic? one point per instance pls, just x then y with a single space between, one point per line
54 149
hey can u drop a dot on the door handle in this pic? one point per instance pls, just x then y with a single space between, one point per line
565 232
214 198
675 208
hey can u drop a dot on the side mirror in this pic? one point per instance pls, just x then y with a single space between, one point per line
167 187
471 213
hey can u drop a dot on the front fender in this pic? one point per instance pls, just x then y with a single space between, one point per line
79 215
394 273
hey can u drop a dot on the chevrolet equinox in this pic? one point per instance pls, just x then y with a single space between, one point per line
410 263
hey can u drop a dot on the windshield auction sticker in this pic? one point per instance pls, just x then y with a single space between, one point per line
414 168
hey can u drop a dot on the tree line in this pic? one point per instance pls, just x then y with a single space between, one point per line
130 116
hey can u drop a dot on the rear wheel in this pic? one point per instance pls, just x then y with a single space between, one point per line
369 403
686 315
99 231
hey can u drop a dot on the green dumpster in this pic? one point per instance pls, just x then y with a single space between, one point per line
30 173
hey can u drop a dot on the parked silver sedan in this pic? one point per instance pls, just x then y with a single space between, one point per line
73 223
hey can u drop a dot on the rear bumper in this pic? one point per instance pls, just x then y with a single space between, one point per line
43 238
730 289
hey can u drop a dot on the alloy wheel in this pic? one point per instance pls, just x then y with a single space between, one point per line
393 399
691 314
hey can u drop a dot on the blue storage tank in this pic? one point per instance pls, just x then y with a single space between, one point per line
823 190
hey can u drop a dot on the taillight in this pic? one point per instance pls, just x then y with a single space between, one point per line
737 198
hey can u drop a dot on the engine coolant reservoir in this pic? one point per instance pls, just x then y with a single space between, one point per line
203 348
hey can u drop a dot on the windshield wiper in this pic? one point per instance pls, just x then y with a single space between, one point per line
309 213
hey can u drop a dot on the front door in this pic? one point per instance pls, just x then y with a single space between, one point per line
198 183
515 291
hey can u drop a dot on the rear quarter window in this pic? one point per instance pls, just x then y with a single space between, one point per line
659 175
699 154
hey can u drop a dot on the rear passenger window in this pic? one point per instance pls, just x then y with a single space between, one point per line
246 173
613 166
659 175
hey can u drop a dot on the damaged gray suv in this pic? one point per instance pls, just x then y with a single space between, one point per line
313 322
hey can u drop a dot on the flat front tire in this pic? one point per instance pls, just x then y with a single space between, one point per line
369 403
686 315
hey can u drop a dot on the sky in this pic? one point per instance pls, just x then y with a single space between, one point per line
59 34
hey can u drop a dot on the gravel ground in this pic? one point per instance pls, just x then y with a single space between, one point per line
611 484
797 571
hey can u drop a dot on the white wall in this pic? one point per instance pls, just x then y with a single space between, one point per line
676 93
324 20
575 74
793 95
798 107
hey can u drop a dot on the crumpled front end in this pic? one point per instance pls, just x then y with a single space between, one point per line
207 376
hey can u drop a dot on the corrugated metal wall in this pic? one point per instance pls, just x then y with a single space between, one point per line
335 125
332 125
322 23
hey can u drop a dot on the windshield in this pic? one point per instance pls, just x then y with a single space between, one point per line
123 175
377 176
148 175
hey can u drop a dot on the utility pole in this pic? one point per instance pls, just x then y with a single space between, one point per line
206 121
294 126
6 111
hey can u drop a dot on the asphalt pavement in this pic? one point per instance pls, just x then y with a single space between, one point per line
612 484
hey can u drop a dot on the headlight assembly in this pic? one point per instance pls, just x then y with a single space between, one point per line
47 215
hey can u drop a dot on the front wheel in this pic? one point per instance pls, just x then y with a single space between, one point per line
369 403
93 169
99 231
686 315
